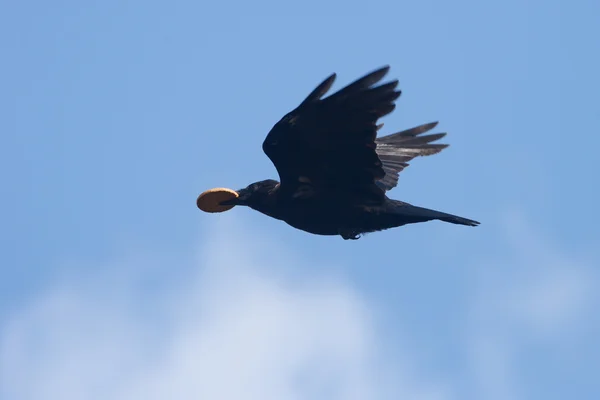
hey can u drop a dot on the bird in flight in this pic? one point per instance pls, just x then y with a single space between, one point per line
334 171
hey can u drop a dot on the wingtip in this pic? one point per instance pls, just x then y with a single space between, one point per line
428 126
320 90
385 67
380 72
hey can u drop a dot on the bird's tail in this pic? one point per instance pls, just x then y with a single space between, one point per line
409 214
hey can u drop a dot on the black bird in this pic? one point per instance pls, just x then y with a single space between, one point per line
334 171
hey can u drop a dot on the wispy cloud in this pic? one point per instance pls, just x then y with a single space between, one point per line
247 323
240 329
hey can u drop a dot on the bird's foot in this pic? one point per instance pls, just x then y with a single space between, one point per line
349 235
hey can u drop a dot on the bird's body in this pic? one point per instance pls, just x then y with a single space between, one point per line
335 213
334 171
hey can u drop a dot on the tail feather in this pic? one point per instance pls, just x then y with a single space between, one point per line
408 214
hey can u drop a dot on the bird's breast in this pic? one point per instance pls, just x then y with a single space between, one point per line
317 217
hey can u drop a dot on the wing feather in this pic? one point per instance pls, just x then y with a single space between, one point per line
331 141
396 150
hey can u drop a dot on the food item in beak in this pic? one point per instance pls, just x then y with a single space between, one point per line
210 200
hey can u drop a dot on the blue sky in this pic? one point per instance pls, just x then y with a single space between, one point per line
118 114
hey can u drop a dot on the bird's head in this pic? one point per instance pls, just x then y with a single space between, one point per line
256 196
253 194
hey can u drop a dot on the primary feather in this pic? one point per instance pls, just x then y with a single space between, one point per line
397 149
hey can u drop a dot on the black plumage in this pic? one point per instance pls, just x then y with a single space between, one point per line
333 169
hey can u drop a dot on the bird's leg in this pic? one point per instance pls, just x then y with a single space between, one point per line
349 235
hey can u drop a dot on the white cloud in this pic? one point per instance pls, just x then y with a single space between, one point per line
240 329
248 323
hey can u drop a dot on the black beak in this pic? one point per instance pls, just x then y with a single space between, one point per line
241 200
233 202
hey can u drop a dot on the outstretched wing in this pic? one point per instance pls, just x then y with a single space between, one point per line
396 150
329 143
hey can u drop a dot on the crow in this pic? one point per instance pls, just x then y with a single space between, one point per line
334 171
